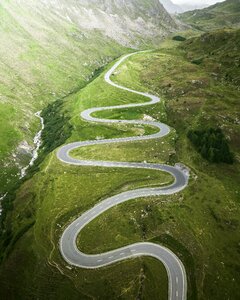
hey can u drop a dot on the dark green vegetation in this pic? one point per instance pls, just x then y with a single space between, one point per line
57 128
225 14
179 38
212 145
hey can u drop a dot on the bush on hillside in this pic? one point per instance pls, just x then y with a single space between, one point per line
179 38
197 61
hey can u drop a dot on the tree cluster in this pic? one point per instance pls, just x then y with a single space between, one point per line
57 127
212 145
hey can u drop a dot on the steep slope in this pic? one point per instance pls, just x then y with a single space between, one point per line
49 48
123 21
225 14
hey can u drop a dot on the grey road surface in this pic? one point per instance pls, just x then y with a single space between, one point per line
70 252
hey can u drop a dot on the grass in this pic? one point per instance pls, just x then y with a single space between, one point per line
200 224
159 151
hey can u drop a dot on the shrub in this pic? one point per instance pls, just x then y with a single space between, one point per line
197 61
179 38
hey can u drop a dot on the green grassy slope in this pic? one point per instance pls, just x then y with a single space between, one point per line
225 14
41 59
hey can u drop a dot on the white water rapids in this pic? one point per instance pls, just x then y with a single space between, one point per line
37 142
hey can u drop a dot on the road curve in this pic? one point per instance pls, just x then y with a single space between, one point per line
70 252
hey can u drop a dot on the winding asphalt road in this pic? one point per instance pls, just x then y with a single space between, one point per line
70 252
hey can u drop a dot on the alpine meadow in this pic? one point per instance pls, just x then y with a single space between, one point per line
119 150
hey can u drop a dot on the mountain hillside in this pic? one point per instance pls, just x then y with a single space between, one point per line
225 14
219 52
123 21
50 48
